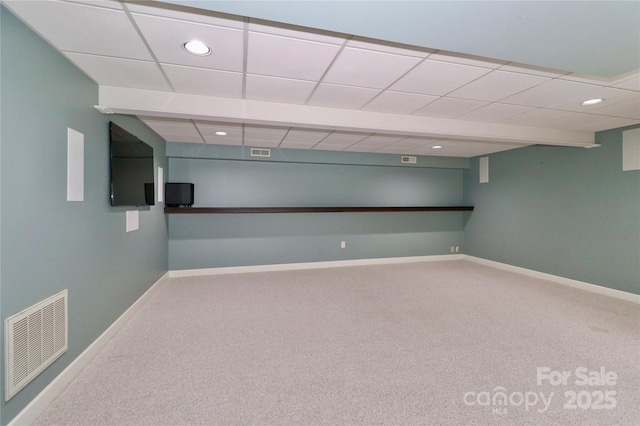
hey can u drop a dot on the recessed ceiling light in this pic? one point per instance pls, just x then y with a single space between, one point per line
196 47
592 101
436 146
221 133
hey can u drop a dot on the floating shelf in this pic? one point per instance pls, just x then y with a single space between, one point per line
236 210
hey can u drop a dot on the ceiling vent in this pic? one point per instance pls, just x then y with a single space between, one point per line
258 152
409 160
34 338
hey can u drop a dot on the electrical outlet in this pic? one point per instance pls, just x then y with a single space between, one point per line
453 249
457 249
343 244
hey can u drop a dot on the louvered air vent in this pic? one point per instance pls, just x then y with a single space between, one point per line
257 152
34 338
409 159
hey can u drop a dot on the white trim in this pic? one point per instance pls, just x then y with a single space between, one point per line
593 288
36 407
309 265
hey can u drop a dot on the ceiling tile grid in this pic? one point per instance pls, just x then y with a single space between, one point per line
276 89
140 46
340 96
278 56
368 68
165 38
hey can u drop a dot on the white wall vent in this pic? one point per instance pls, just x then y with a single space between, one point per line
33 339
409 160
257 152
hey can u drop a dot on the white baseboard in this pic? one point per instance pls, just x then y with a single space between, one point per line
37 406
618 294
309 265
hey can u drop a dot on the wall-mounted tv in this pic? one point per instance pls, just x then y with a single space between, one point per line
132 174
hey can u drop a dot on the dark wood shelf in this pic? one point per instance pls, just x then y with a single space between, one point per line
237 210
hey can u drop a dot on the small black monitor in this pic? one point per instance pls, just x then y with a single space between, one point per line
177 194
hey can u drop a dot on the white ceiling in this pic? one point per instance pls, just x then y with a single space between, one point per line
276 85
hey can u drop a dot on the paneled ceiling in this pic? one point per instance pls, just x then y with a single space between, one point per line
269 84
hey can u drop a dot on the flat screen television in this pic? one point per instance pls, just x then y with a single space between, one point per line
132 174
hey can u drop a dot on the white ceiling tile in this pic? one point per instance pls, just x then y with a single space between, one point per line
174 126
174 130
274 89
437 78
366 68
450 151
111 4
290 31
337 96
311 136
102 31
610 95
495 112
344 138
422 140
464 148
182 138
392 149
535 117
632 83
484 148
405 145
261 143
167 36
186 14
264 136
626 109
208 131
209 128
608 123
497 85
449 108
358 148
200 81
215 140
573 120
550 92
287 57
398 102
425 150
461 58
380 140
109 71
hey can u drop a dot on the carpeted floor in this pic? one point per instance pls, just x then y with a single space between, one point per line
444 343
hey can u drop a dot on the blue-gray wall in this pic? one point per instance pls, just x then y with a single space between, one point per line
565 211
227 177
570 212
48 244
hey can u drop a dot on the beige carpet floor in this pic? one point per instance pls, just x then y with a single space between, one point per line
436 343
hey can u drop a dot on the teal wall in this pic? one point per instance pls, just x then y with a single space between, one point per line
48 244
565 211
227 178
570 212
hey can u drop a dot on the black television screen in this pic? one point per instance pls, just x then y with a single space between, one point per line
132 175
